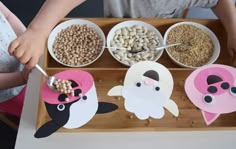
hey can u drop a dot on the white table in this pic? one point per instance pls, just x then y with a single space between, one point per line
121 140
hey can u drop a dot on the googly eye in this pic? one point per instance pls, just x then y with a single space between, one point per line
77 92
233 91
60 107
84 97
212 89
225 85
208 99
138 84
157 88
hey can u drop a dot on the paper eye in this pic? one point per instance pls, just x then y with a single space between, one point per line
157 88
233 91
225 85
73 83
208 99
77 92
212 89
138 84
62 97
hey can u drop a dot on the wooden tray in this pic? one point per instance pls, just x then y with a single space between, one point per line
107 72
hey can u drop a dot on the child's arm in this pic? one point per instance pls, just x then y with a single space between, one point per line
9 80
31 44
16 24
226 12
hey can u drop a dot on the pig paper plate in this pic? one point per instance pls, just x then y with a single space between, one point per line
212 88
72 111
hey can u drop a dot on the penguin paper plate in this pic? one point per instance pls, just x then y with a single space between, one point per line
72 111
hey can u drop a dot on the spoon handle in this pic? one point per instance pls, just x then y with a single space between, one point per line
41 70
167 46
120 48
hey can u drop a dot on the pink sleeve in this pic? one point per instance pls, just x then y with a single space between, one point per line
16 24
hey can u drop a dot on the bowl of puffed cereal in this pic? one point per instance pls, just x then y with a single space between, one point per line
199 45
132 41
76 43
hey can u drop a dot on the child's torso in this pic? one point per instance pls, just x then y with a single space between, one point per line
7 63
151 8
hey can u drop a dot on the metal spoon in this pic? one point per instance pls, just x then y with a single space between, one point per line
167 46
121 48
50 79
158 48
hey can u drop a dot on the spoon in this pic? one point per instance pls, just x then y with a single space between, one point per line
50 79
167 46
121 48
158 48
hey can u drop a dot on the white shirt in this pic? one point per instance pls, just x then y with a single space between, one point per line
7 63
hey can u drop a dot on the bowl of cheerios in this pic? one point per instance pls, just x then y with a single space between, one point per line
76 43
132 41
199 45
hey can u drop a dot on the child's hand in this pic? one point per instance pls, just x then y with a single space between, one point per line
28 47
231 43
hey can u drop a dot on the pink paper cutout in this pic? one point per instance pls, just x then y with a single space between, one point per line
209 117
148 81
221 72
82 78
196 89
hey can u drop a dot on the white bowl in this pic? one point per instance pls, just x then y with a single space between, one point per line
66 24
213 37
131 23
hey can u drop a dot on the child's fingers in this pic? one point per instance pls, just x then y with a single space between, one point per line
25 58
18 53
32 62
12 47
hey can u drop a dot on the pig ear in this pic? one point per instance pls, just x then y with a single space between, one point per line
106 107
210 117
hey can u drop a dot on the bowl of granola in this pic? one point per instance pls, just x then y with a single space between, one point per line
199 45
